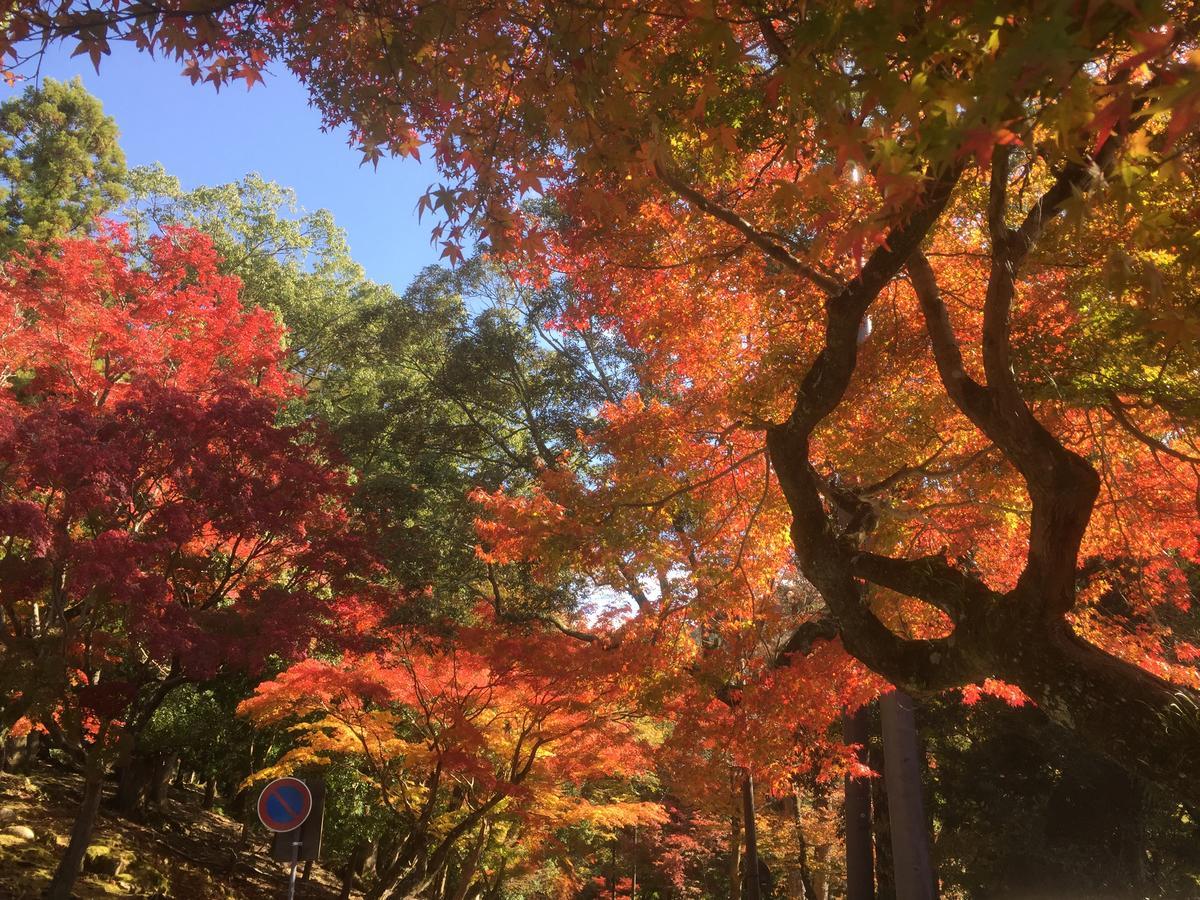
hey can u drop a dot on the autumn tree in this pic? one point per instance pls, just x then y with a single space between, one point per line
457 382
60 162
933 263
461 741
160 526
823 168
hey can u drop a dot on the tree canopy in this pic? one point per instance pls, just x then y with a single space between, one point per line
60 162
827 348
788 175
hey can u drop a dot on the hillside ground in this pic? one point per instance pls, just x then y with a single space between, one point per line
186 852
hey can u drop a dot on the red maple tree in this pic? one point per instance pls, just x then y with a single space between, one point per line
159 525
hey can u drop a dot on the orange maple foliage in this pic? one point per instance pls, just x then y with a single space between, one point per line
452 733
936 269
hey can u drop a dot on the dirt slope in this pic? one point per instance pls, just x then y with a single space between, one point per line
188 853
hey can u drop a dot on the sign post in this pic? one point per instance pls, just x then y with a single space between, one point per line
283 806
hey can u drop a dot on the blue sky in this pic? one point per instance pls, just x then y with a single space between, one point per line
205 137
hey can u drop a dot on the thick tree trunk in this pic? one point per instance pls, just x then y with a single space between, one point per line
18 753
33 746
164 775
210 792
1148 725
81 835
915 879
860 868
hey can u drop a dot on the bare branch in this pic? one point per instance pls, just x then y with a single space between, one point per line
1122 418
693 485
774 248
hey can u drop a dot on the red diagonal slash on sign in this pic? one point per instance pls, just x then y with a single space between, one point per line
281 796
286 815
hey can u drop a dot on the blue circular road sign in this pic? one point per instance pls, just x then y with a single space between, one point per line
284 804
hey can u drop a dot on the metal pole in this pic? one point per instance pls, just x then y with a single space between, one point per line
292 877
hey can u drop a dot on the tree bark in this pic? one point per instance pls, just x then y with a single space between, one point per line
753 886
735 858
1021 636
466 875
134 776
1146 724
81 835
915 878
881 831
354 868
805 889
860 869
17 754
164 775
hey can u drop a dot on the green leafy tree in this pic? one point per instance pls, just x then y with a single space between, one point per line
454 384
60 163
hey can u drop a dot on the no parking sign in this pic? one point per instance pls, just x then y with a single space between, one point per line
284 804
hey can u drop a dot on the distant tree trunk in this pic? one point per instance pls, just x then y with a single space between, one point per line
735 858
81 834
467 874
493 888
881 829
353 869
612 869
387 853
750 867
803 889
860 866
821 853
134 776
164 774
915 878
